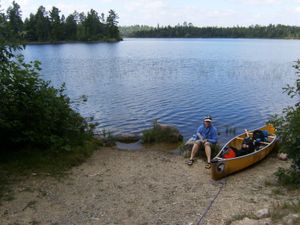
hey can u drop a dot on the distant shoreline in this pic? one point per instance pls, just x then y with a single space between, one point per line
270 31
71 42
259 38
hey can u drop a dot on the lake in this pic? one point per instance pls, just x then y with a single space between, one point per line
177 81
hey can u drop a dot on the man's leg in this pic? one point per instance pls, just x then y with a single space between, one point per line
207 147
195 149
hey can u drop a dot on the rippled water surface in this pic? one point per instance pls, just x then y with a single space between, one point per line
178 81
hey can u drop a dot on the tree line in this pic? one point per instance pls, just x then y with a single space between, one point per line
52 26
187 30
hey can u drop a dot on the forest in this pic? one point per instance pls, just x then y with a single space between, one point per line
52 26
188 30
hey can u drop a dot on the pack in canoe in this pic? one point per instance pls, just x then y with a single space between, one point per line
222 167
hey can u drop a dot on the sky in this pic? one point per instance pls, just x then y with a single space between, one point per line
172 12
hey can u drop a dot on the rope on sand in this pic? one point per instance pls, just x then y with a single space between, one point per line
223 183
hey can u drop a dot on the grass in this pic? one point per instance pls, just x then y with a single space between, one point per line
16 166
278 191
289 178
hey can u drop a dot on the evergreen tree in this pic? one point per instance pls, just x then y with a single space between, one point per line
56 27
30 28
71 27
81 29
112 24
188 30
14 15
93 26
42 24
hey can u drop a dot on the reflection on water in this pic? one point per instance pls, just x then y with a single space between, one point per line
178 81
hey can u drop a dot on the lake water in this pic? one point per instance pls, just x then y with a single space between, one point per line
177 81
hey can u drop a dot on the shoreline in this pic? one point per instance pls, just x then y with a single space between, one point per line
71 42
235 38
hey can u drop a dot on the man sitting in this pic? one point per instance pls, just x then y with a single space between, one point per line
206 136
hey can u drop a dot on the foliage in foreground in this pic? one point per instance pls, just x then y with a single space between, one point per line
288 131
33 114
40 132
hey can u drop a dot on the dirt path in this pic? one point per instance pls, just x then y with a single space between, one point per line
141 187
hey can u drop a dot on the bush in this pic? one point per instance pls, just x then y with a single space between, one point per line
288 131
289 177
161 133
34 114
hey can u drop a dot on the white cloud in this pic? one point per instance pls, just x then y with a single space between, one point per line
145 6
143 12
297 9
258 2
68 9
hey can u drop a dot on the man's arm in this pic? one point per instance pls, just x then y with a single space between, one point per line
198 134
214 136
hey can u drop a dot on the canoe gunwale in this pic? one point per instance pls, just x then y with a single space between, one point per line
248 155
223 167
243 156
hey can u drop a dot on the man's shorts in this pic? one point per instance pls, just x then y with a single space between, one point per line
191 141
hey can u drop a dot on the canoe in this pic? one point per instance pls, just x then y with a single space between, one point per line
221 167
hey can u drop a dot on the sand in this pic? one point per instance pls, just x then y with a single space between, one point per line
149 186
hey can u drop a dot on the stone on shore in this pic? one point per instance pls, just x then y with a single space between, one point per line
245 221
173 131
291 219
127 138
262 213
282 156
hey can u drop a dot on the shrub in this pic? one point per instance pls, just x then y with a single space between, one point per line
288 131
290 177
159 133
33 114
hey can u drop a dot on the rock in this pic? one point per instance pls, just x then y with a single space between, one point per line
262 213
162 133
173 131
282 156
265 221
290 219
127 138
245 221
106 139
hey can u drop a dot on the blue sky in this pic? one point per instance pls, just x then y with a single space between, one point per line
172 12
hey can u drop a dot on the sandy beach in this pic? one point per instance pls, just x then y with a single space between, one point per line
148 186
